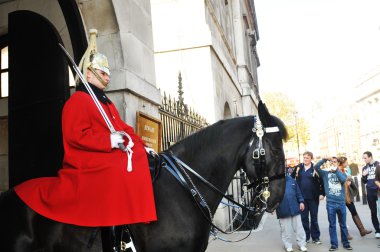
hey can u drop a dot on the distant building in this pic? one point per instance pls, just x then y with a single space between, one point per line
368 99
340 136
350 127
335 130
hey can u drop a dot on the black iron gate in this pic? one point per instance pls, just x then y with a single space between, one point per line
178 120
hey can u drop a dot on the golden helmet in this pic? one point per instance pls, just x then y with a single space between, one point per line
92 59
100 62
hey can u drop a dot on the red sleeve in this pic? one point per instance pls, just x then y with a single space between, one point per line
127 128
81 126
130 131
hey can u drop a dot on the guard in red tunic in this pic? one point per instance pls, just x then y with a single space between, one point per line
94 187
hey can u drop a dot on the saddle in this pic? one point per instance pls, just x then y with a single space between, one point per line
155 162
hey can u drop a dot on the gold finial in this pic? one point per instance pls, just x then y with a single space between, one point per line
91 49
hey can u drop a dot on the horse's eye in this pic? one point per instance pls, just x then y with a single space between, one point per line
277 152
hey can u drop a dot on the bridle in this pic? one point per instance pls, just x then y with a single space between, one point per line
261 193
261 184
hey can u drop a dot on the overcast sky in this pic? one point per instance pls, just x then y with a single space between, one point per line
311 48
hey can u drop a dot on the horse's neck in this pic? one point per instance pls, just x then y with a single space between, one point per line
217 163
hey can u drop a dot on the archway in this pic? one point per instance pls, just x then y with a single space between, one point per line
38 89
227 111
64 17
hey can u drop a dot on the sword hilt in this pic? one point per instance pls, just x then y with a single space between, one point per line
122 146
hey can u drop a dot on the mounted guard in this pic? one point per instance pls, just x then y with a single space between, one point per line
102 182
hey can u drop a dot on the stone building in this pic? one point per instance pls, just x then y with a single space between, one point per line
213 44
38 75
340 134
368 99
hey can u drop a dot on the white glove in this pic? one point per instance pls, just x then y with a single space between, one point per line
150 151
116 139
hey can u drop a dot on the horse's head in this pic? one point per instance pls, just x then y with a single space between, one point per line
264 162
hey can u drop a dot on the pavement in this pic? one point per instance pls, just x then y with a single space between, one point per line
268 236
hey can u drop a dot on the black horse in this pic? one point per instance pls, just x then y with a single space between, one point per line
215 152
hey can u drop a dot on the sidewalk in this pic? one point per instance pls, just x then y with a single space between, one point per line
269 238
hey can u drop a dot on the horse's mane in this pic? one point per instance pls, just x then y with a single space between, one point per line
205 135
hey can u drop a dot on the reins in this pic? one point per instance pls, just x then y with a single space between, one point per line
173 164
180 163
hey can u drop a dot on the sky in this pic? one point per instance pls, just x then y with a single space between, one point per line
316 49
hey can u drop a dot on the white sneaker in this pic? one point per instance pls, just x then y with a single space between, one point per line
303 248
289 250
377 235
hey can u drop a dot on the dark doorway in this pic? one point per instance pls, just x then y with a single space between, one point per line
38 89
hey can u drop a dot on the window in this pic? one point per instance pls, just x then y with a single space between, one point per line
4 71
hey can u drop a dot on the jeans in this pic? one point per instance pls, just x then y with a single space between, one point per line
311 228
372 198
378 207
334 209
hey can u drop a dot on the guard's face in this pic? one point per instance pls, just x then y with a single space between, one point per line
91 78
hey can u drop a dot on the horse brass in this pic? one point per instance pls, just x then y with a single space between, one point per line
260 133
266 195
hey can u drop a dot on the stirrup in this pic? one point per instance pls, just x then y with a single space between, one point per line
124 246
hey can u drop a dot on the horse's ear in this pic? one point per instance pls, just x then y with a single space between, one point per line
265 116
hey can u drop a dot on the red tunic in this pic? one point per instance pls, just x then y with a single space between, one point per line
93 188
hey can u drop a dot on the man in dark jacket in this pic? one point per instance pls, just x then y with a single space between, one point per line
368 178
288 214
312 190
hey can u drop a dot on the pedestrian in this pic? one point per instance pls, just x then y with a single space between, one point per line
333 181
94 188
311 188
288 214
354 168
289 170
368 178
351 191
377 183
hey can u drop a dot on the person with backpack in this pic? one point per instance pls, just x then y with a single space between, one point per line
312 190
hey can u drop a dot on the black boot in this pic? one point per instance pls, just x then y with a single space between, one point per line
111 238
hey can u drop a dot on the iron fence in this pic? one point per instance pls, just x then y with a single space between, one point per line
178 120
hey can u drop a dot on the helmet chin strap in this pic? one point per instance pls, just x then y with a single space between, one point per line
105 84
